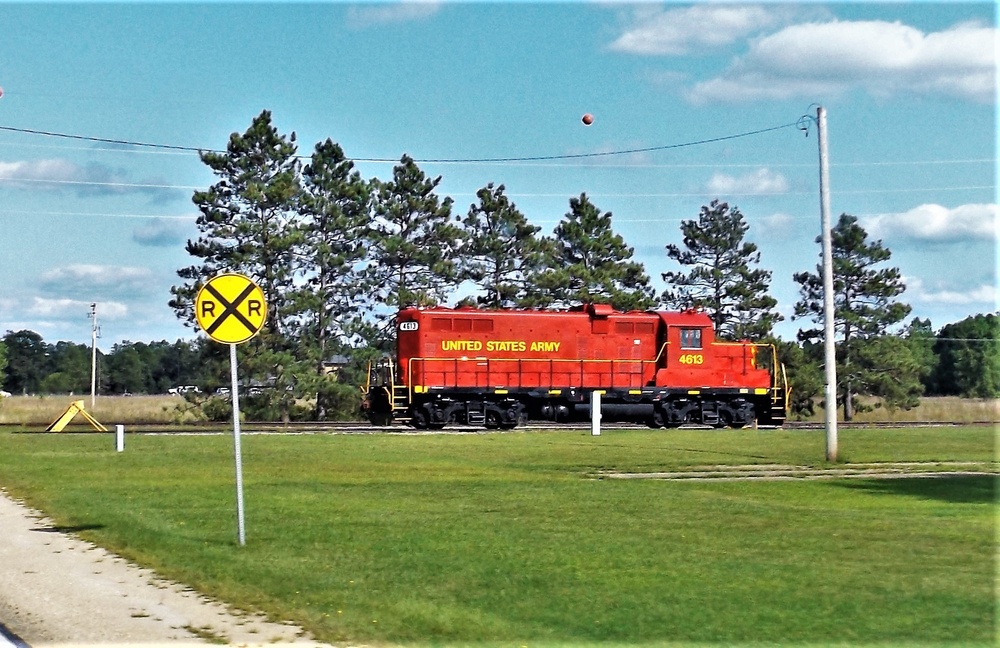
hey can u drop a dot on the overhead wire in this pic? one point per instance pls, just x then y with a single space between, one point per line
531 158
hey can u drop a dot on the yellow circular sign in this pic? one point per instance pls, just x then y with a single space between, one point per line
230 308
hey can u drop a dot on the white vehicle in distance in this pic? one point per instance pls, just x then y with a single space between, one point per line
184 389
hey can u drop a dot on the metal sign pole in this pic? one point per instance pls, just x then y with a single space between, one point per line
231 309
235 394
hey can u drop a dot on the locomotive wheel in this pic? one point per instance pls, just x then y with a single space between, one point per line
420 418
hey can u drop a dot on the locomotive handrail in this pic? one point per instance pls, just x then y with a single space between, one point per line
551 362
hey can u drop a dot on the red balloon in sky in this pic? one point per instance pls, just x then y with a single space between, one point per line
588 119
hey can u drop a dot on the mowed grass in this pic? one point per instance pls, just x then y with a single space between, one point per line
513 540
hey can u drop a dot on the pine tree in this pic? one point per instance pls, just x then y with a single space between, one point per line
335 216
969 357
723 280
864 308
502 251
588 263
247 226
246 219
413 243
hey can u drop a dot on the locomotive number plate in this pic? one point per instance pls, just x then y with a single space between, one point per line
409 326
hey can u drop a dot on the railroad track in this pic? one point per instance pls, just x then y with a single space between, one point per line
359 427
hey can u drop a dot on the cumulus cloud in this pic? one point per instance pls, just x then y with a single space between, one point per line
88 179
691 29
74 309
97 280
884 58
937 223
160 232
372 15
945 295
760 182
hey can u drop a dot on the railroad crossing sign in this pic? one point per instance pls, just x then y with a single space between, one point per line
230 308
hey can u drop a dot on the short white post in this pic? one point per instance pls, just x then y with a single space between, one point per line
595 413
120 438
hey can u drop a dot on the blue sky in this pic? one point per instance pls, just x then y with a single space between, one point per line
910 91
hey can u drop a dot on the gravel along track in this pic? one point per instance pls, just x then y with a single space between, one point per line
777 472
59 591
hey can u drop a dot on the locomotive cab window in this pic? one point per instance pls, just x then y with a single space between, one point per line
690 338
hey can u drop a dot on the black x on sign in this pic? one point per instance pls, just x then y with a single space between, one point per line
230 308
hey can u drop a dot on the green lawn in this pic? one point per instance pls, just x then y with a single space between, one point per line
511 540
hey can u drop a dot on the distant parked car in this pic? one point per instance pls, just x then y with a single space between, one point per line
185 389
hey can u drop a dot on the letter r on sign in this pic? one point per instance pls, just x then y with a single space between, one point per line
207 308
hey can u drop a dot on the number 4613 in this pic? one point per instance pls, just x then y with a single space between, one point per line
692 359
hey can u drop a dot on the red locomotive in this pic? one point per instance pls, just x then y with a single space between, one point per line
498 368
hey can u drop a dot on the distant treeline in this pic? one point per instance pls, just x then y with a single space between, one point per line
961 359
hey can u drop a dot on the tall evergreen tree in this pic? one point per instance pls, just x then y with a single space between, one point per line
865 308
724 279
335 219
3 363
247 226
502 250
246 218
587 262
27 361
413 242
969 353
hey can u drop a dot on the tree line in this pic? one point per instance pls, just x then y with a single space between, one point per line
336 255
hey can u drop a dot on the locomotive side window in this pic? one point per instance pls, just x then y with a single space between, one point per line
482 325
462 324
691 338
623 328
441 323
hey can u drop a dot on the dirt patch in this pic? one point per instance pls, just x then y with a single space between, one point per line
777 472
59 591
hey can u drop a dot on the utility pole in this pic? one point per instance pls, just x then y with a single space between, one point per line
829 347
93 354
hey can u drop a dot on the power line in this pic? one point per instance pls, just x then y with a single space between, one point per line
534 158
527 162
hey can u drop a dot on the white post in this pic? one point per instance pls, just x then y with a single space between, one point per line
235 394
595 413
120 438
830 352
93 354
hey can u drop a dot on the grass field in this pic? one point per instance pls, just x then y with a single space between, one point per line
514 540
39 411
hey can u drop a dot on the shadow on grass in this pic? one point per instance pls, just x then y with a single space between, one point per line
960 489
69 529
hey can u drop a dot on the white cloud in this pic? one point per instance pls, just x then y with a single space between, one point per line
691 29
936 223
812 60
75 309
98 280
983 294
87 179
160 232
370 15
760 182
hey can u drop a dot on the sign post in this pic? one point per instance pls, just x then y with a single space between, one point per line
231 309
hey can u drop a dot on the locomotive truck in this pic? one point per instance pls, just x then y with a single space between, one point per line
499 368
